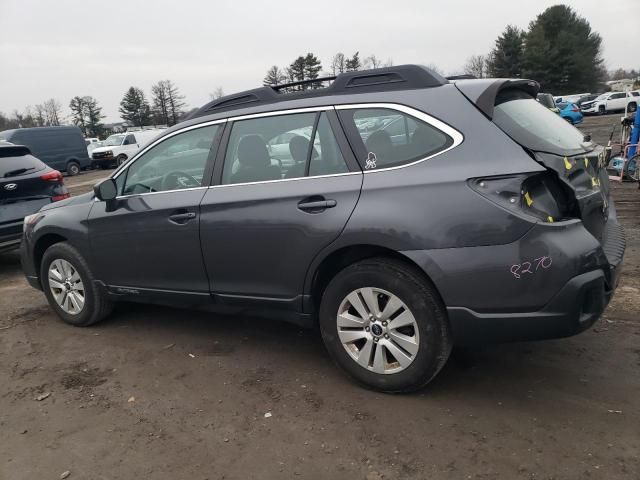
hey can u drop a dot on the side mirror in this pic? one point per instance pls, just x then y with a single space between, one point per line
106 190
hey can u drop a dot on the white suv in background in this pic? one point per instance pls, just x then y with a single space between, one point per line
610 102
120 147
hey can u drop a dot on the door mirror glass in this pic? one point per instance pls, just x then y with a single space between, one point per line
106 190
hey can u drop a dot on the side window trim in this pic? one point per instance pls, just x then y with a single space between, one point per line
312 140
352 131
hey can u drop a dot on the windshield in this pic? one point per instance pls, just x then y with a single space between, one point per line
113 141
536 127
602 97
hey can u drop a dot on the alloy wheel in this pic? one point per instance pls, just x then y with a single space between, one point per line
66 286
378 330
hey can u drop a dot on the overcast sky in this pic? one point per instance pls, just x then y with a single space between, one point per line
63 48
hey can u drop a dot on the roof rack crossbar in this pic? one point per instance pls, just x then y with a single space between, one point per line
303 82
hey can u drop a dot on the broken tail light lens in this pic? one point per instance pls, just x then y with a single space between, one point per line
538 195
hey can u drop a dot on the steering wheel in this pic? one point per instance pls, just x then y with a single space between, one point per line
178 179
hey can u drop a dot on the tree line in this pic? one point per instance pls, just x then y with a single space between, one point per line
166 108
309 67
559 50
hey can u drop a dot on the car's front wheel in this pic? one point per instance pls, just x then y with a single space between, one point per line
69 286
385 325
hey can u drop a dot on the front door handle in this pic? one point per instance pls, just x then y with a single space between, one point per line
182 217
316 206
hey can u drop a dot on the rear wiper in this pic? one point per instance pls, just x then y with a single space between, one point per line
18 171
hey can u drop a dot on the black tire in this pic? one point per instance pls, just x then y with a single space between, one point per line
96 306
120 159
601 110
73 168
407 283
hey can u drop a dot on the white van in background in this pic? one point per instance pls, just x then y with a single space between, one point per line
120 147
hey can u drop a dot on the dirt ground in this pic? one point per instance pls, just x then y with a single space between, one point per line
158 393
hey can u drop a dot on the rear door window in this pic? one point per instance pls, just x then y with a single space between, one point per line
281 147
389 138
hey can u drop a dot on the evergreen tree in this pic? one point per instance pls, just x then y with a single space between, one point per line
353 63
78 113
312 67
296 71
506 58
134 108
562 52
93 115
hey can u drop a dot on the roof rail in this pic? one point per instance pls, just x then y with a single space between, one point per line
464 76
400 77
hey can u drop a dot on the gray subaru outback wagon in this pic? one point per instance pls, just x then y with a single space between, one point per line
400 211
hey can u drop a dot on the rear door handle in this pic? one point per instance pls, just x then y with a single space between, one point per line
182 217
317 205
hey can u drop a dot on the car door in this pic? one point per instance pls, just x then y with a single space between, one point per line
261 229
617 101
148 237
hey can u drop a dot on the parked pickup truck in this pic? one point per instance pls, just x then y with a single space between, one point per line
610 102
120 147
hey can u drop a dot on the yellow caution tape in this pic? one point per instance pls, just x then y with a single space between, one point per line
595 182
528 199
567 164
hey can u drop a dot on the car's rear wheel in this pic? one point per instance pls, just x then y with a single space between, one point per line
69 286
385 325
73 169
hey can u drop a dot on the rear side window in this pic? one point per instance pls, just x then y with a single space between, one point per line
534 126
390 138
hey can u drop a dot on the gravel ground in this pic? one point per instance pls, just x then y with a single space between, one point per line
160 393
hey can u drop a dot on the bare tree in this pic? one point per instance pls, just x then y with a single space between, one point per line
476 65
53 111
435 68
338 63
218 93
275 76
175 101
372 62
160 103
40 115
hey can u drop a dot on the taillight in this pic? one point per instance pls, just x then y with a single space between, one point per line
57 198
538 195
52 176
575 109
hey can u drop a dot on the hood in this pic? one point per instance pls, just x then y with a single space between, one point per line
77 200
104 149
